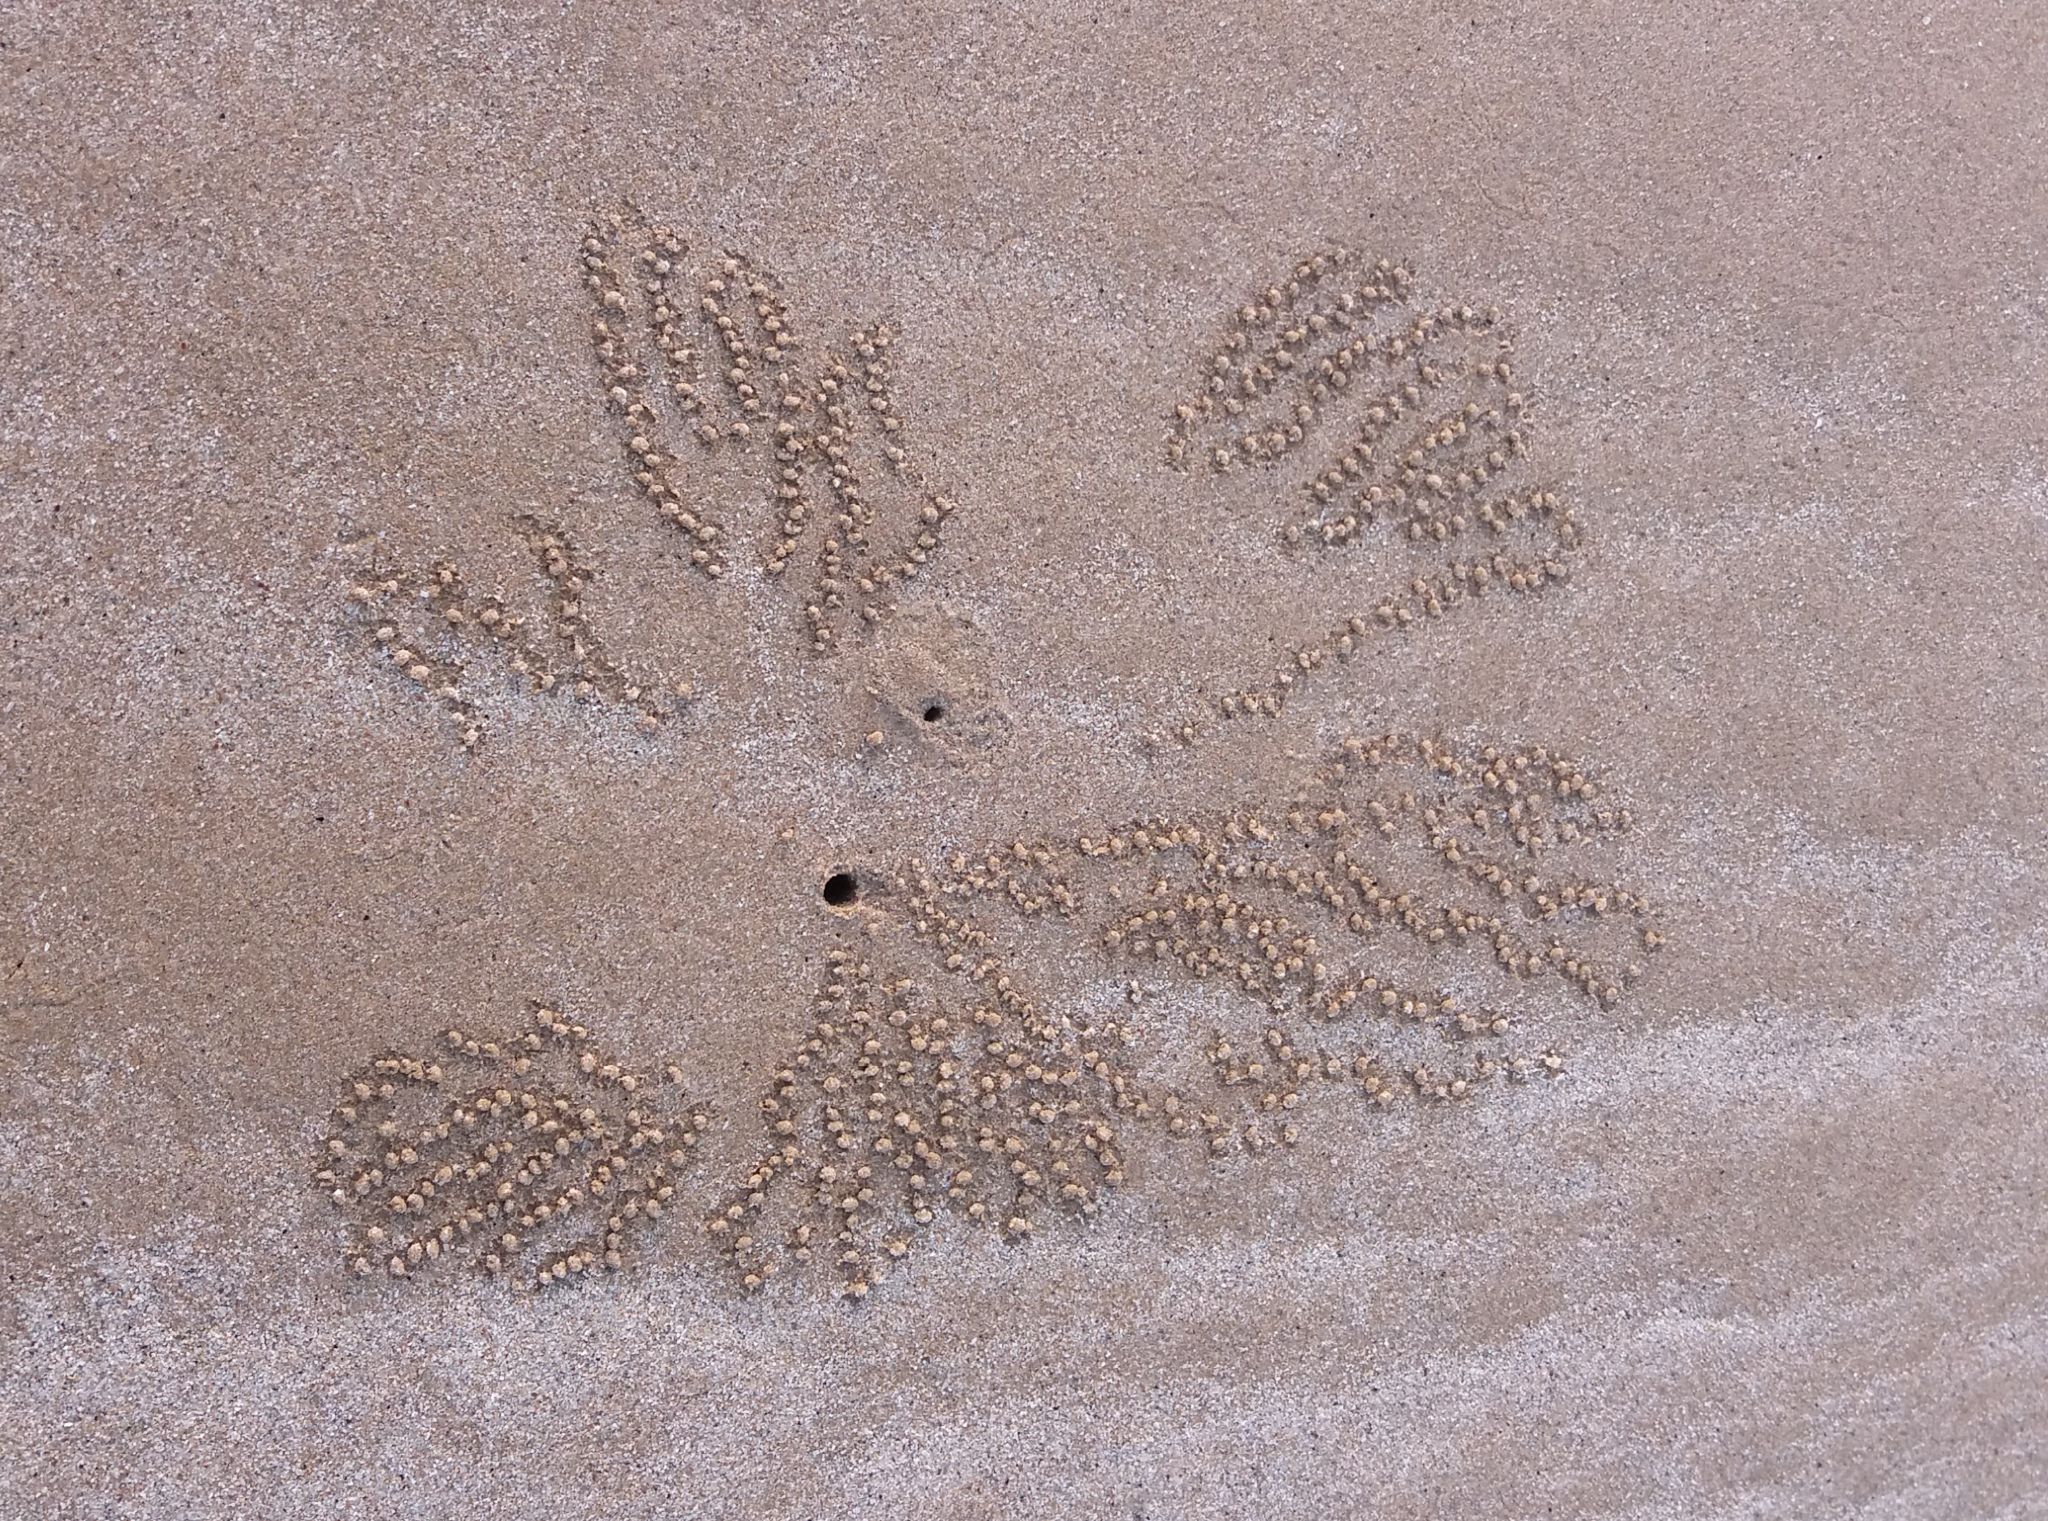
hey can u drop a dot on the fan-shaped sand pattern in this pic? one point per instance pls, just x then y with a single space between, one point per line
817 439
898 1108
1432 435
534 1155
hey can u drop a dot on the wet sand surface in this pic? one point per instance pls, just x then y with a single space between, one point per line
295 310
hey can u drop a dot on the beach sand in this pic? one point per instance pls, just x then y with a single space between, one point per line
293 302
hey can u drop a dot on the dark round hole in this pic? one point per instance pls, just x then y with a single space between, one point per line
934 712
841 889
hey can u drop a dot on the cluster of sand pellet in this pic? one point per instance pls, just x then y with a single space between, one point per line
1435 427
427 626
1431 852
945 1073
893 1111
1487 816
821 437
536 1155
713 359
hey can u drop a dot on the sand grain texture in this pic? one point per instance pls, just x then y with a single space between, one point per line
290 297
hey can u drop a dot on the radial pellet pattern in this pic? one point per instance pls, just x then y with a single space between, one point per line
996 1030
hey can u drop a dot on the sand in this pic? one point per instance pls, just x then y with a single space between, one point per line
291 302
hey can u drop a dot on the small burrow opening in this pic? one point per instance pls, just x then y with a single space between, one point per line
840 890
934 711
